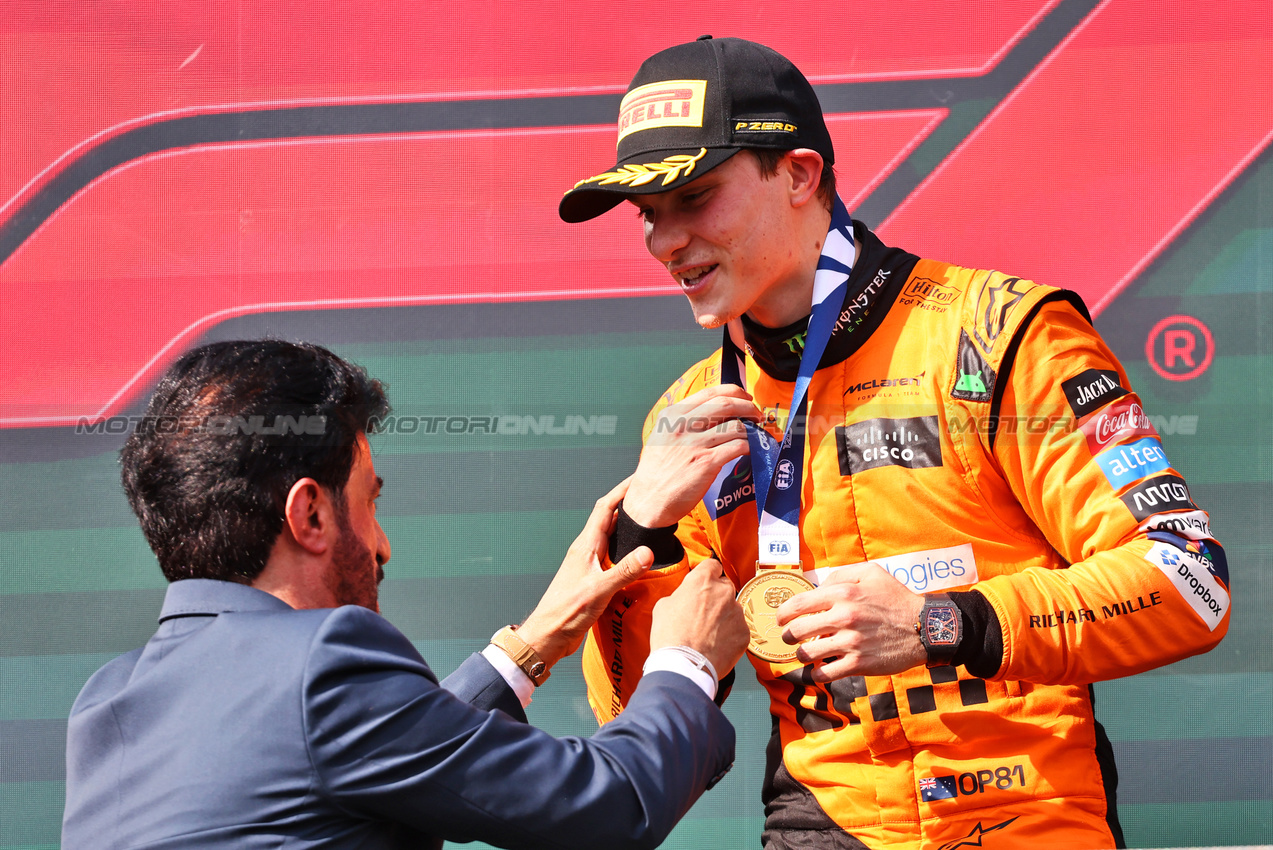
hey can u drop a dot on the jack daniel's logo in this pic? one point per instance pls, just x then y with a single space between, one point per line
1092 389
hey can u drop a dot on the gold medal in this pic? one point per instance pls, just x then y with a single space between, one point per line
760 599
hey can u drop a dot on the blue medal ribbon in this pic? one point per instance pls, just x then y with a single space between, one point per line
778 468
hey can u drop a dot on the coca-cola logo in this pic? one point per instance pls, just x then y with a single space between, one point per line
1122 420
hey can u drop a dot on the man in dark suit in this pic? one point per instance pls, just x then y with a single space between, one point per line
275 708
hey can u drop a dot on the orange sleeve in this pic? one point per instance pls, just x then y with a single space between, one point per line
619 642
1146 583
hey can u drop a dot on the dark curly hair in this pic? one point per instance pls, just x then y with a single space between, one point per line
230 428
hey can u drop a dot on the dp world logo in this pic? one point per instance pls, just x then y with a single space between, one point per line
785 474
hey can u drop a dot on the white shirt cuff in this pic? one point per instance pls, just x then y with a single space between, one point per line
514 675
688 662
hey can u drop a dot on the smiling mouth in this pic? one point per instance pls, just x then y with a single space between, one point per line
691 277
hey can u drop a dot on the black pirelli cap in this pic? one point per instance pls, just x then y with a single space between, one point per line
693 106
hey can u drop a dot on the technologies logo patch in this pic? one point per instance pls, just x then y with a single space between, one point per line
1192 577
1159 495
925 571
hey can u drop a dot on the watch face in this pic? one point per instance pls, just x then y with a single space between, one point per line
537 669
941 626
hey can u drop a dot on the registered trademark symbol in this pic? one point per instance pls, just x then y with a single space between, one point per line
1180 348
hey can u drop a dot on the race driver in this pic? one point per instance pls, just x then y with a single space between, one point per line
953 510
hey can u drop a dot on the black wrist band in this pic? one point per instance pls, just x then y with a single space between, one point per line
628 535
981 651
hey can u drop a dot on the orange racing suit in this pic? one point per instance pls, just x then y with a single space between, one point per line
971 433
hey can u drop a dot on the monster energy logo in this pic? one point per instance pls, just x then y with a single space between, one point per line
796 343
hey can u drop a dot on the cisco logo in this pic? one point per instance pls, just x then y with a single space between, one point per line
911 443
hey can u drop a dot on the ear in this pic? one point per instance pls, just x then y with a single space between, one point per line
309 516
804 166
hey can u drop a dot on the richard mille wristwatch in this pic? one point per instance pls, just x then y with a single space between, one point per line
940 628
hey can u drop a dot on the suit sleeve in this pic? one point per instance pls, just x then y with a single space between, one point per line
1146 583
386 742
481 686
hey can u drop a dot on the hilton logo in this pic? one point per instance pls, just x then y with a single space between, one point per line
930 292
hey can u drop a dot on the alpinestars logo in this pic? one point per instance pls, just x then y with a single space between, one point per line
912 443
973 839
994 303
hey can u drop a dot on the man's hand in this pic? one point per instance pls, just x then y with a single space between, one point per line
861 617
581 589
704 615
691 441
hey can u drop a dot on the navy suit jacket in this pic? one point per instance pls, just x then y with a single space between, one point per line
244 723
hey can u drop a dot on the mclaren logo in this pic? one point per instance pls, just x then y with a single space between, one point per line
973 839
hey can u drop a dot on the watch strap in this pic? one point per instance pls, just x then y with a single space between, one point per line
522 654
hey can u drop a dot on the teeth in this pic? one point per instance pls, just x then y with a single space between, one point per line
694 275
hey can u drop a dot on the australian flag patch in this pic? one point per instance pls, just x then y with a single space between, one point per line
937 788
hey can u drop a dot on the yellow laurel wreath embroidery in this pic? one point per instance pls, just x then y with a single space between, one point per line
671 168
